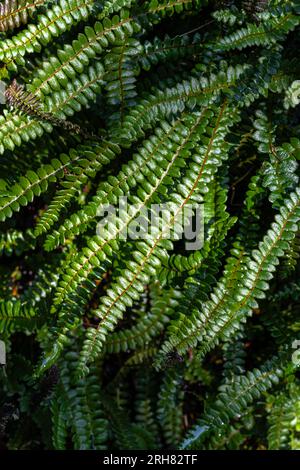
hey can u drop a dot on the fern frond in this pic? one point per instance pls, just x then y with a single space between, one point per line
131 174
100 246
233 399
87 420
32 184
234 357
163 50
53 23
292 97
113 6
143 332
290 261
145 407
16 242
170 408
13 13
259 35
16 315
151 252
170 102
90 159
121 68
282 414
16 129
279 173
149 214
60 428
164 8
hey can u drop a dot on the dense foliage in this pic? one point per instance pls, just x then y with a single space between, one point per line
141 343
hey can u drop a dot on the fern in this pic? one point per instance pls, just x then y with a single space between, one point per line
13 13
170 410
54 22
229 305
283 416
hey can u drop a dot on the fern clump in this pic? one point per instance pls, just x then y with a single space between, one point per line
132 334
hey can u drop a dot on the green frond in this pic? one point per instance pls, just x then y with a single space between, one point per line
77 94
172 101
173 147
244 281
60 428
89 160
163 8
121 69
52 23
134 172
170 408
145 407
150 253
143 332
283 419
73 58
13 13
263 34
233 399
280 172
16 315
167 49
234 358
292 97
16 241
113 6
87 421
291 257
